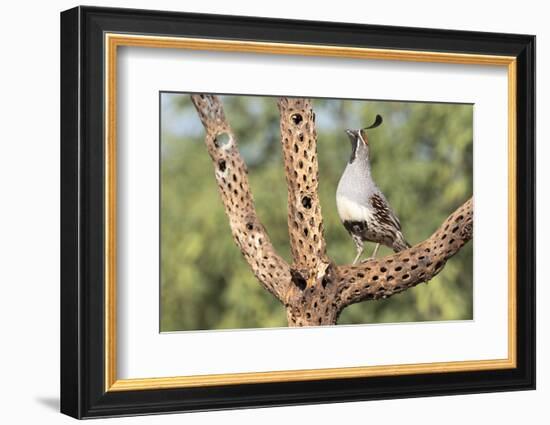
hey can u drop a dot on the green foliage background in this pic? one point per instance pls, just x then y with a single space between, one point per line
421 159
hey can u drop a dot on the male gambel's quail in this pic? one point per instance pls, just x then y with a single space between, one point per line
363 208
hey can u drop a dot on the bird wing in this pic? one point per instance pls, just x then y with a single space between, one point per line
383 211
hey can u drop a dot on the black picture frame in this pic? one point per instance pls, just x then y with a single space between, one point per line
83 392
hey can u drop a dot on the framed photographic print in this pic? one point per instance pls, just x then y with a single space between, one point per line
261 212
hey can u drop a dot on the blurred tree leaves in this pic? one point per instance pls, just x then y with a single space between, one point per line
421 158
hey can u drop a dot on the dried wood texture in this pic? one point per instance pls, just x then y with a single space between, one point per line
384 277
232 179
305 222
313 289
310 298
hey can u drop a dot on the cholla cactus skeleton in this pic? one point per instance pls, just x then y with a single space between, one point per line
313 289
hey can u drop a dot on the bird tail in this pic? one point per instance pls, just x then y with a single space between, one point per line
400 244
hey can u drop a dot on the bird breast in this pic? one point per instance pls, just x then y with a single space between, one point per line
349 210
353 193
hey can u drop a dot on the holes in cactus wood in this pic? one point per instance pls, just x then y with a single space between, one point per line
296 119
306 202
222 140
221 165
298 280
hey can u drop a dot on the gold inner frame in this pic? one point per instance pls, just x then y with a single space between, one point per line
113 41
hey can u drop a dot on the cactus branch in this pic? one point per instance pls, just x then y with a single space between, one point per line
231 176
313 289
387 276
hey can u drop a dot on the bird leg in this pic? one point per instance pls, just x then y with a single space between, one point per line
359 252
375 251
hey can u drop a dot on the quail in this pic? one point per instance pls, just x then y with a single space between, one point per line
362 207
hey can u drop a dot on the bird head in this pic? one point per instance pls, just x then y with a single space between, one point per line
359 140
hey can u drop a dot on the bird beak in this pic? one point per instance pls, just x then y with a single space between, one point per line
353 135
